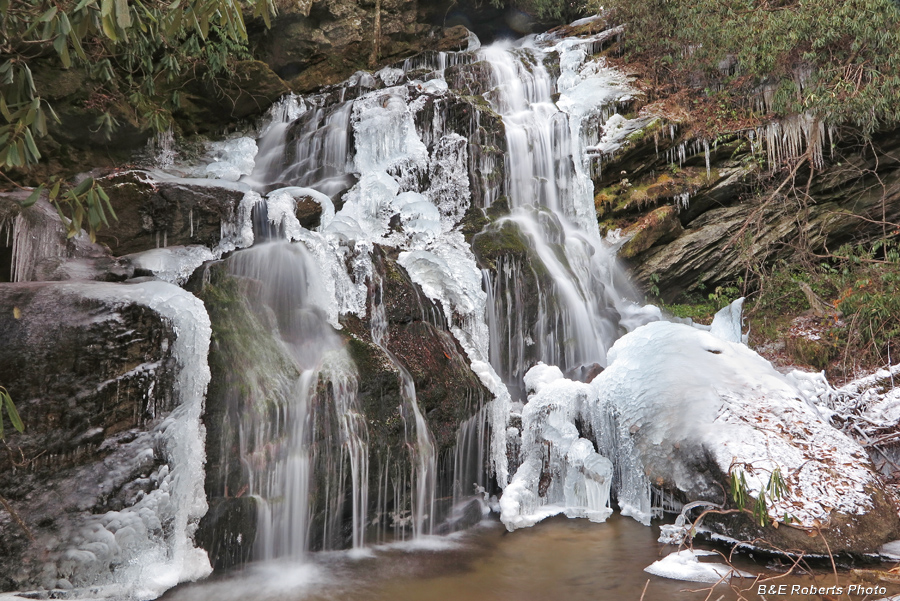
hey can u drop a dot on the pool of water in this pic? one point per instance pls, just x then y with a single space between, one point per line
558 559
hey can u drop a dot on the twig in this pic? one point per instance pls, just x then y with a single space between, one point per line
16 518
644 592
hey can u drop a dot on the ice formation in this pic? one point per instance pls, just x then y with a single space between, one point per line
143 550
684 565
173 264
675 397
232 159
561 472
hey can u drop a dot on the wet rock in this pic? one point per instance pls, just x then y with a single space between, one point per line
470 79
88 388
228 531
658 227
156 214
447 391
308 212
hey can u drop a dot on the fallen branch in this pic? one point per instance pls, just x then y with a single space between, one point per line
16 518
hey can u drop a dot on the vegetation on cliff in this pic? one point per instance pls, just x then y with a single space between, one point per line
135 58
797 105
838 60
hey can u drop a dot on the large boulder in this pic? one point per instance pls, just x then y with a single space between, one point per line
693 412
691 415
101 488
153 214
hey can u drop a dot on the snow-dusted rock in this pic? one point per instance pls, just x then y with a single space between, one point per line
680 409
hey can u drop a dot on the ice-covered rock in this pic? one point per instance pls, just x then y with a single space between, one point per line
684 565
231 159
114 440
681 409
561 472
173 264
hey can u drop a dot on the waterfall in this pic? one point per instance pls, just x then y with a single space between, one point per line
405 162
317 393
424 460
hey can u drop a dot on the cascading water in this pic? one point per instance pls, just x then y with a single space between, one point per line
424 460
580 312
409 159
279 440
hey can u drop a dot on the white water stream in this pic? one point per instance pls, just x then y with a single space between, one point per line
377 151
400 160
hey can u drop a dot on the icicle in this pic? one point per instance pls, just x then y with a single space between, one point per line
706 155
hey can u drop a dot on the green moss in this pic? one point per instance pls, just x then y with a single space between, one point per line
699 312
244 354
815 353
500 240
645 133
473 222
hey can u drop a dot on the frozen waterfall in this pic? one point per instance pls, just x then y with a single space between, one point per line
403 160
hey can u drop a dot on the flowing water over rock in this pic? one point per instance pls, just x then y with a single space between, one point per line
392 166
469 176
414 307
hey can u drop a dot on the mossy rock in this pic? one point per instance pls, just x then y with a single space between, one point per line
658 227
499 240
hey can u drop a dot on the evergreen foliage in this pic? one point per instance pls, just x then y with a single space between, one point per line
839 60
129 48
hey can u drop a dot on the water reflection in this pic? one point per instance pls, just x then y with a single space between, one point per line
559 559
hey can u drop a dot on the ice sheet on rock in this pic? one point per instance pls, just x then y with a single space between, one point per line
435 86
344 268
891 550
726 323
231 159
37 235
584 20
616 131
540 375
368 207
684 565
385 131
238 232
147 548
173 264
449 188
673 393
561 472
391 76
277 203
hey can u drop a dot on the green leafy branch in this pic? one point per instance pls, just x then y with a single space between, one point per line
773 491
7 403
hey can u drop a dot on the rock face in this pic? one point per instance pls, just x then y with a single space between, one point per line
322 42
153 214
95 370
723 227
206 107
